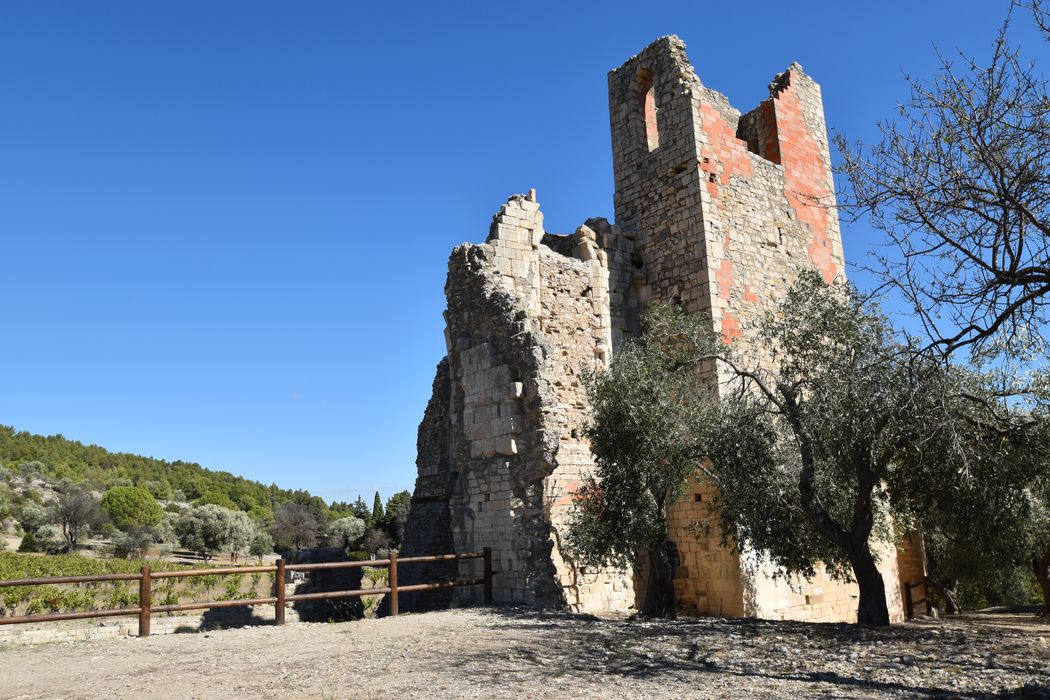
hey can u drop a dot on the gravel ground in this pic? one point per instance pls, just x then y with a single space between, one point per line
506 653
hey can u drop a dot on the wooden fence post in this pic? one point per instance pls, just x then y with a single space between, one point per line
393 583
278 592
145 600
488 575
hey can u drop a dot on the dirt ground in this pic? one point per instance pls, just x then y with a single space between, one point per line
506 653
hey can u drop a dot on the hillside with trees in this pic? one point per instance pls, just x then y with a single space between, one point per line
56 493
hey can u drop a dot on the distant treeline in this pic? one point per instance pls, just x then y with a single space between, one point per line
58 458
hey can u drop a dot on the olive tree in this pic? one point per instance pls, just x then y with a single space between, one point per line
960 185
32 517
209 529
640 439
346 532
827 429
261 544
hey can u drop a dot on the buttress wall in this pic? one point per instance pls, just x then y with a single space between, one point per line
501 447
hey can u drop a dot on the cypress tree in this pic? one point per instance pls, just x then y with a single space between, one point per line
377 510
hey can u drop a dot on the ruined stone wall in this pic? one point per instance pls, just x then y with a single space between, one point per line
527 313
716 212
658 192
709 579
911 563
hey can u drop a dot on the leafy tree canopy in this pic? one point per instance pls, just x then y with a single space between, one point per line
131 507
346 532
814 451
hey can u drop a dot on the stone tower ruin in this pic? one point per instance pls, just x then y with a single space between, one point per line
716 211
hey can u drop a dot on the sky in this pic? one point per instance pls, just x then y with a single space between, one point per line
224 226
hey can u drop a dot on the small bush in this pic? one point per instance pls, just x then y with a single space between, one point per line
233 587
29 543
122 598
375 574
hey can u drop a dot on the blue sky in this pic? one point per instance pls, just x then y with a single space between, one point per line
225 225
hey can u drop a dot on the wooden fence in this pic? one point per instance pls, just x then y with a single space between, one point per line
909 599
145 578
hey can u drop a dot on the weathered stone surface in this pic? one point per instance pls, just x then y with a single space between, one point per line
717 212
429 521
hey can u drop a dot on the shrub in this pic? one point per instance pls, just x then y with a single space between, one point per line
122 597
29 543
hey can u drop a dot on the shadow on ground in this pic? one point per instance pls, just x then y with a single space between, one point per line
824 658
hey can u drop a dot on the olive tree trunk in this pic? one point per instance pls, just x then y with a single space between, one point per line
659 600
949 592
872 609
1041 568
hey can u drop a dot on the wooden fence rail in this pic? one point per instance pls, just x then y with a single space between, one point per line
279 600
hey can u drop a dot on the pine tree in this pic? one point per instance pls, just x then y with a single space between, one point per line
361 509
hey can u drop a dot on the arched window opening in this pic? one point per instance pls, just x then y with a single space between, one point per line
649 110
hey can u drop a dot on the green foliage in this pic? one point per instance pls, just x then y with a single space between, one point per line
217 498
56 458
377 509
77 511
122 597
29 543
361 510
641 466
210 529
375 574
641 460
346 532
261 544
851 425
131 543
45 539
161 490
839 427
32 516
232 587
95 596
397 507
131 507
375 540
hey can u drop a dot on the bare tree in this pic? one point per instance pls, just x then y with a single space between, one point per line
295 526
77 511
961 185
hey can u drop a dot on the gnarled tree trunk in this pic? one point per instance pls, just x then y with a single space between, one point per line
949 593
872 609
659 598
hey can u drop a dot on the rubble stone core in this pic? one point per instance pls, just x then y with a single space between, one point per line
717 212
